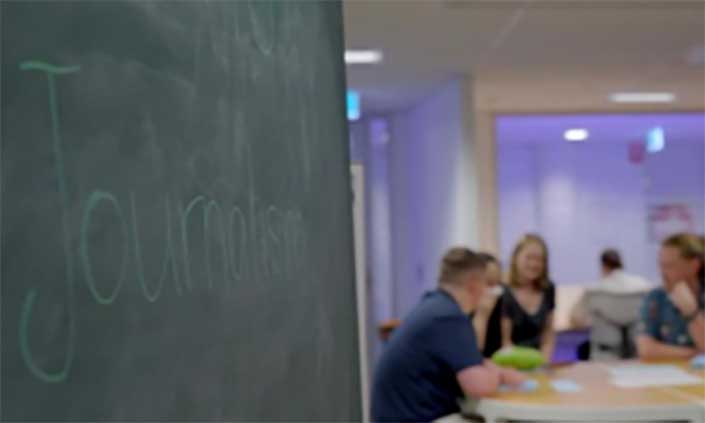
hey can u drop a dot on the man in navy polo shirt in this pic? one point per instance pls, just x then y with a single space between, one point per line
432 359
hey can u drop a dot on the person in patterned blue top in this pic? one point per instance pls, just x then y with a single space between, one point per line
673 325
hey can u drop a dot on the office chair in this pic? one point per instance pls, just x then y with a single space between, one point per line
614 316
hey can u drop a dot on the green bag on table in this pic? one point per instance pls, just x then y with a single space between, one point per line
520 358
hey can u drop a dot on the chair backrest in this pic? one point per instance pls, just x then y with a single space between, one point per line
614 318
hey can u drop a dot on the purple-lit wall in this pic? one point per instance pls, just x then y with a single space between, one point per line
432 191
369 145
677 174
420 195
585 197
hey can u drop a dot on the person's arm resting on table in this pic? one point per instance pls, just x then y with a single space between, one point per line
455 344
484 380
652 349
478 381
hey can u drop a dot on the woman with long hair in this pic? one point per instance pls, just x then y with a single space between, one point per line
527 318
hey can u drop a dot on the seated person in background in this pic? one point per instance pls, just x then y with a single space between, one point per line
528 303
487 318
673 326
614 279
432 359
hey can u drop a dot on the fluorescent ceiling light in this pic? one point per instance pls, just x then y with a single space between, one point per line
636 97
356 57
575 135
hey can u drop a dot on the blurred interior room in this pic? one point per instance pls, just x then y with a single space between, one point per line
478 121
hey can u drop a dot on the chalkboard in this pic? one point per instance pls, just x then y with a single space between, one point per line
176 212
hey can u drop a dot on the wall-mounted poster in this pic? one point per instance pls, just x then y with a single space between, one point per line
669 218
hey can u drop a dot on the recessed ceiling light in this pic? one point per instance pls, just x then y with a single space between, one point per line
576 135
642 97
357 57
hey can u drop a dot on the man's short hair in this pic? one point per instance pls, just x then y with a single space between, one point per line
488 258
611 259
459 260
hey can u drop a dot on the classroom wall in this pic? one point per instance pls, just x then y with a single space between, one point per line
369 145
564 90
420 195
676 174
432 190
586 197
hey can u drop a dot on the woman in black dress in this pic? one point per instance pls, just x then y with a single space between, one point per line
528 304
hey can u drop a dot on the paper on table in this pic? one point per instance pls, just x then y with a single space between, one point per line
528 385
565 385
698 362
651 375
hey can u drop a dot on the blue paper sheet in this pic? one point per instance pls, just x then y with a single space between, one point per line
565 385
529 385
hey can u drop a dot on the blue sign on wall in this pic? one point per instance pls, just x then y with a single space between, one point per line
353 101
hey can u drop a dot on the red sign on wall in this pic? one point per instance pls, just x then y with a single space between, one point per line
637 152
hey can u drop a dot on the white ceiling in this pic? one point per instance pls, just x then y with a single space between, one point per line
427 42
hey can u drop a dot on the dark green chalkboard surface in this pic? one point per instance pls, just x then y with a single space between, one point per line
176 219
